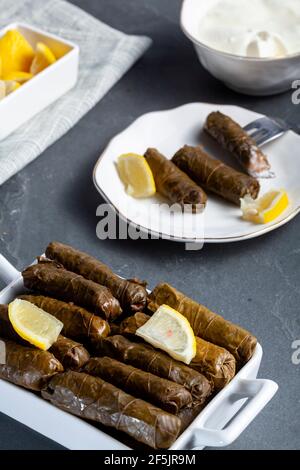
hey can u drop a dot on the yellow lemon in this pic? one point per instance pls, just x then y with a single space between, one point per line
170 331
2 90
16 53
10 86
136 175
34 324
265 209
42 59
20 77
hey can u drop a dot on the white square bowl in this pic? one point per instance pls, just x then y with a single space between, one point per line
44 88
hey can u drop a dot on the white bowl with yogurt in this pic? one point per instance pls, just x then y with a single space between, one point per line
253 46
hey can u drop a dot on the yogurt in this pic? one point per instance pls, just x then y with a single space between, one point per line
252 28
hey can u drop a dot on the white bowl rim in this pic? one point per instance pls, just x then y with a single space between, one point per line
196 41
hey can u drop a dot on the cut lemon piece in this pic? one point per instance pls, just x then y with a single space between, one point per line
10 86
20 77
15 51
265 209
2 89
42 59
136 174
34 324
170 331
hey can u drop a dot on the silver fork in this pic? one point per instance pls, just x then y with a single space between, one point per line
264 130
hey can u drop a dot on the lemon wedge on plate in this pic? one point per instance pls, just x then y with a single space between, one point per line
170 331
265 209
42 59
136 174
34 324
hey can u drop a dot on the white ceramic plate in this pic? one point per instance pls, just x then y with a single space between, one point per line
168 131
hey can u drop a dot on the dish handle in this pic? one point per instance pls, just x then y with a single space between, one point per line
8 273
255 393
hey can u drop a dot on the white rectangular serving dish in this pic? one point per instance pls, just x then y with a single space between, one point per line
219 424
44 88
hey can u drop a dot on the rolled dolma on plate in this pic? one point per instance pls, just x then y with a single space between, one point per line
166 394
79 324
131 294
69 353
94 399
205 323
213 175
156 362
173 184
6 329
27 366
72 355
232 137
50 279
216 363
187 415
130 324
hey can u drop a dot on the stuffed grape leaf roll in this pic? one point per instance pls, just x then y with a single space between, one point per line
216 363
79 324
130 324
166 394
131 294
173 184
213 175
94 399
151 360
27 366
69 353
52 279
232 137
205 323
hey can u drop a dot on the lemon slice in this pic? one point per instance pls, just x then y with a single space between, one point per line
10 86
20 77
170 331
34 324
265 209
136 174
2 89
42 59
15 52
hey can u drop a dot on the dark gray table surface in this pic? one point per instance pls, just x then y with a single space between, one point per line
254 283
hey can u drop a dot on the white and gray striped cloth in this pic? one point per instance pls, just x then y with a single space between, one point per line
105 56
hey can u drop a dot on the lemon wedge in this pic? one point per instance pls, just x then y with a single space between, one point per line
20 77
34 324
265 209
10 86
170 331
2 89
136 175
15 52
42 59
